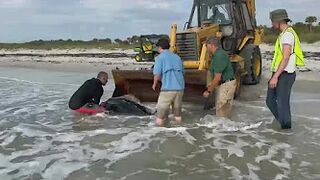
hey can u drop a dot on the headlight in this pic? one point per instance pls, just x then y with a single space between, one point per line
227 30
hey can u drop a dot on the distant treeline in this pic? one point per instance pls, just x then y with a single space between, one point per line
106 43
308 32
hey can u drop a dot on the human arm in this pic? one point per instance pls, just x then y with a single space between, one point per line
157 71
156 80
97 96
213 84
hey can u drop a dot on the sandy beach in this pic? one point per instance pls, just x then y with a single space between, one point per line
93 60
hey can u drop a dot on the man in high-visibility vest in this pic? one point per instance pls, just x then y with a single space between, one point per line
287 56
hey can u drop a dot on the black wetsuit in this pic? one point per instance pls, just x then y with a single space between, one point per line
90 92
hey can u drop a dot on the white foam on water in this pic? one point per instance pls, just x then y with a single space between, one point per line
69 153
139 117
280 177
118 131
219 128
307 117
273 150
233 148
235 172
61 170
133 142
16 80
28 131
272 131
139 140
252 174
9 138
242 104
101 115
226 125
4 111
36 83
305 164
167 171
129 175
305 100
283 164
179 131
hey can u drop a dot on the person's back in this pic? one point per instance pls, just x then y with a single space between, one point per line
172 71
221 63
90 92
168 69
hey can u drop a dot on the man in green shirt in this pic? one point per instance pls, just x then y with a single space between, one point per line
223 78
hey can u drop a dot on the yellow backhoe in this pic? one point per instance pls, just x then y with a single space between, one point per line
233 21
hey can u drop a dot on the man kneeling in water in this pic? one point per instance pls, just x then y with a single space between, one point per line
87 98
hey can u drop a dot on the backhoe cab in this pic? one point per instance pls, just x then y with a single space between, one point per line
231 20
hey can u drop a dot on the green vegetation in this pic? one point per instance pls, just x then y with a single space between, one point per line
70 44
310 20
129 43
307 32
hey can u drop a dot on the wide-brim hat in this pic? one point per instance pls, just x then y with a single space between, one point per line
279 15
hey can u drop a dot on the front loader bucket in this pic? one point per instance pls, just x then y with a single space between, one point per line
139 83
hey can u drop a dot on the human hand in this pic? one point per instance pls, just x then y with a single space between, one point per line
154 86
273 82
206 94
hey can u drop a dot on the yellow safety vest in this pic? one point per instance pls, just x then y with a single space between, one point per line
277 58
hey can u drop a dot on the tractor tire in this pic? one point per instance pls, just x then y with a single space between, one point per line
253 64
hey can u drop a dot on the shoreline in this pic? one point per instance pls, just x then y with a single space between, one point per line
94 60
313 76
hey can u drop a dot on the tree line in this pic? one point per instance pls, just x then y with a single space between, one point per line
309 31
308 26
133 40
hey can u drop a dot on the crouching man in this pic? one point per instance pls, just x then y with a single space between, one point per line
87 98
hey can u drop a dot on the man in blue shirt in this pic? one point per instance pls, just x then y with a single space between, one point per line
168 69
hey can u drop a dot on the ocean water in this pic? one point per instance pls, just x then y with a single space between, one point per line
40 138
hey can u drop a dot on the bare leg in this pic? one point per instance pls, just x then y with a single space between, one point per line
178 119
160 122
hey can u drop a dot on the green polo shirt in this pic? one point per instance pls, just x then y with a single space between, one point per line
221 63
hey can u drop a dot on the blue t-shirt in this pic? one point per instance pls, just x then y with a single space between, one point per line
170 67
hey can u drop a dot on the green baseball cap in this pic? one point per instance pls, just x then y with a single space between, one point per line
279 15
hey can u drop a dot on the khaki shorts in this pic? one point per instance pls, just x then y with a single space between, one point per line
167 99
224 98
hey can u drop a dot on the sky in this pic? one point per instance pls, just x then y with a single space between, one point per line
26 20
